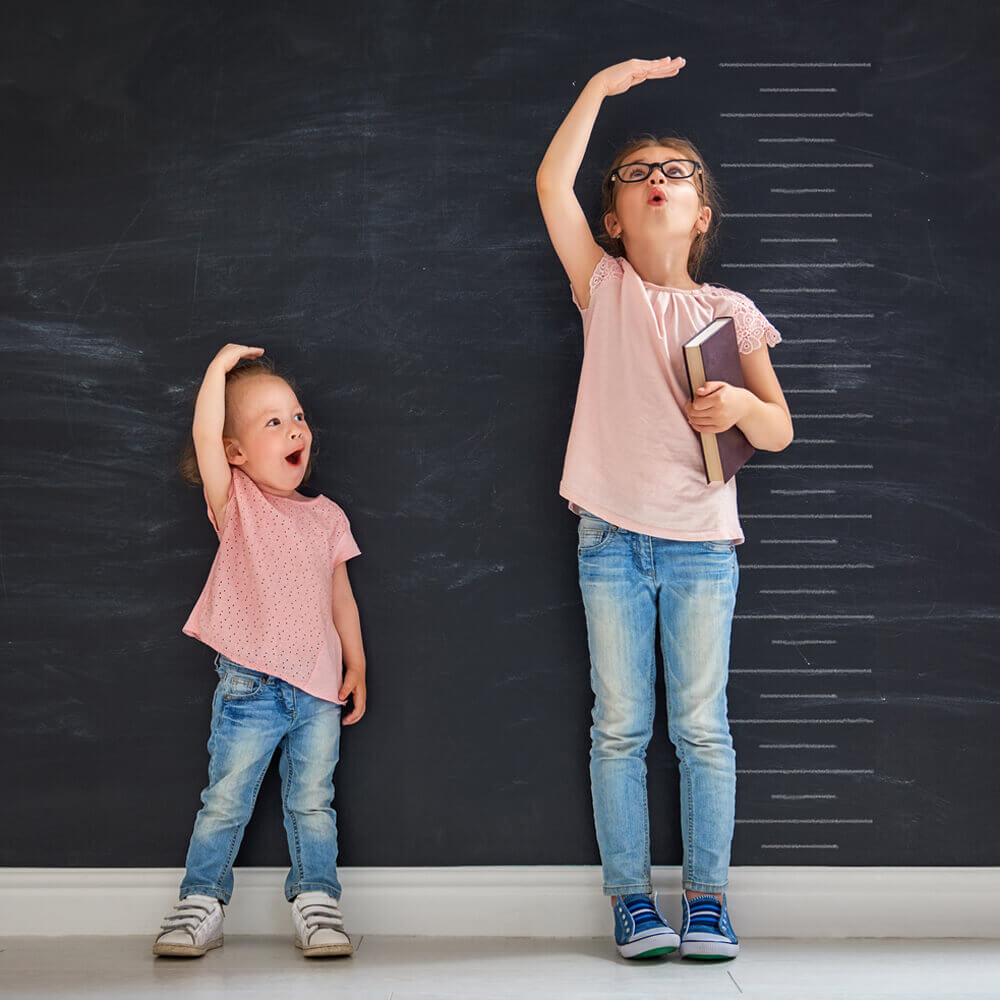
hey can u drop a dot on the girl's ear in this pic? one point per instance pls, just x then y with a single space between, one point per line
611 226
233 451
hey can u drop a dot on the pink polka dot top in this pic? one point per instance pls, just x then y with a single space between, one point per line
268 600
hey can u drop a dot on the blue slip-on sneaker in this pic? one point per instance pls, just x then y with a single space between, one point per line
706 931
641 931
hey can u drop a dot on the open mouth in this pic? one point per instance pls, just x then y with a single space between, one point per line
295 458
657 199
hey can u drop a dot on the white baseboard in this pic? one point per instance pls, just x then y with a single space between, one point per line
529 901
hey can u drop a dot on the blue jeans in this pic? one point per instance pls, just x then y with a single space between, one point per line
630 582
252 715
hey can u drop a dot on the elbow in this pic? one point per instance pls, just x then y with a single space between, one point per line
789 437
775 443
545 183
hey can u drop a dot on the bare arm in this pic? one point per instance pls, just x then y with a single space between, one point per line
564 218
348 624
759 409
206 430
767 423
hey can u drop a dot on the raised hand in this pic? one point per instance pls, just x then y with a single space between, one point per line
622 76
231 353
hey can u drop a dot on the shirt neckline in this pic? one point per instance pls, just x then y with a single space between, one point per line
665 288
669 288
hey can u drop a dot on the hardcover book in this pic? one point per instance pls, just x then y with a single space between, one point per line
712 355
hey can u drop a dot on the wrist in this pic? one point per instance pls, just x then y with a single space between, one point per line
595 86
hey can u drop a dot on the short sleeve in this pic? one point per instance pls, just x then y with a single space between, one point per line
342 543
753 329
607 268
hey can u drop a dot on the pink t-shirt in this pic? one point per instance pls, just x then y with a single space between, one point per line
632 458
268 600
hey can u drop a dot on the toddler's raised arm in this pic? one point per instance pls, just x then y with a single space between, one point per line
209 420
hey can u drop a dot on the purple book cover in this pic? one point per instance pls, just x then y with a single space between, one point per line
712 355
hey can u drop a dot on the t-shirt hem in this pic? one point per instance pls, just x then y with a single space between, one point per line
253 666
613 517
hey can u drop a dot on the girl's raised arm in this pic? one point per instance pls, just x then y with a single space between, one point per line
564 218
209 420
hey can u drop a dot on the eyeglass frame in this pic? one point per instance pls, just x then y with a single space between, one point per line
697 168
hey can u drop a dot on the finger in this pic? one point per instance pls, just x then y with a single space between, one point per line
665 71
355 714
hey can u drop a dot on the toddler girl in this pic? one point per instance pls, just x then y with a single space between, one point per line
279 610
657 544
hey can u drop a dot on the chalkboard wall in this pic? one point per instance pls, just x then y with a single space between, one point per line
352 188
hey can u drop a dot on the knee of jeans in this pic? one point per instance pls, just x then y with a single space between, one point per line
309 797
619 734
224 809
700 738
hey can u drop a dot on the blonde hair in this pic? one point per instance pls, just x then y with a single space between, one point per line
704 244
244 369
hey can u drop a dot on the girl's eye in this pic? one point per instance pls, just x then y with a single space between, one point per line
300 416
674 172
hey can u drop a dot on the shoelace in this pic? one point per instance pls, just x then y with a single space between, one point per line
317 915
184 917
643 912
705 914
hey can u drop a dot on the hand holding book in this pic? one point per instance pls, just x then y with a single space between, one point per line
719 399
717 406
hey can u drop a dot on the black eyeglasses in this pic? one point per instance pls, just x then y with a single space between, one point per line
632 173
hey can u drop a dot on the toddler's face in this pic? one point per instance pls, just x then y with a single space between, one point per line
271 440
657 207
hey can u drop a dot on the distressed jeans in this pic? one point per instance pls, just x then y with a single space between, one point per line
253 714
630 583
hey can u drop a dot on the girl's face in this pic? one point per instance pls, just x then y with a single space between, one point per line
271 440
658 208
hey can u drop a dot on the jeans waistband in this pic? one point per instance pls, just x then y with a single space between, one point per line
222 660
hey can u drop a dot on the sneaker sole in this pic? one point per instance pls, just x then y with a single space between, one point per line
718 952
325 950
651 948
187 950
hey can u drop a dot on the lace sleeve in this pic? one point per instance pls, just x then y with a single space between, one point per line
753 329
607 267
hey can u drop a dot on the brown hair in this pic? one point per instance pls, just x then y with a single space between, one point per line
245 368
704 244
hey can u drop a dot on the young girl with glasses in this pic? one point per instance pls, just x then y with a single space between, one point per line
279 610
657 544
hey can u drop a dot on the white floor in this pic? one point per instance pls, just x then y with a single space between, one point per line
426 968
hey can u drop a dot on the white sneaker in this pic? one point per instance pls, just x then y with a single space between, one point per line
191 928
319 925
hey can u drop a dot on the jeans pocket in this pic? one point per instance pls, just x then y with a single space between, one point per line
725 545
236 682
594 535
